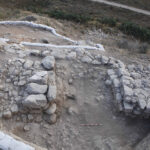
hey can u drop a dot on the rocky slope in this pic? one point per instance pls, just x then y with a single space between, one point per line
43 82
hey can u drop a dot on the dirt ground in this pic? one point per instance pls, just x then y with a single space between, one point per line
86 100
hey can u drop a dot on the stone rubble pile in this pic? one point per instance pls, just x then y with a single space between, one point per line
131 85
30 87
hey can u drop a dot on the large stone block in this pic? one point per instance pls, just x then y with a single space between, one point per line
48 62
52 88
40 77
34 88
35 101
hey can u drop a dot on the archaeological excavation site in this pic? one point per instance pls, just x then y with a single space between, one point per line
61 91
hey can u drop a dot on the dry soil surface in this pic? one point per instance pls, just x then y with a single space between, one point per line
83 101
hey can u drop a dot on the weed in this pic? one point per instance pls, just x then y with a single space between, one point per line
109 21
58 14
144 48
135 30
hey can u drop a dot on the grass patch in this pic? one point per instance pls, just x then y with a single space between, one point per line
144 48
69 16
88 13
109 21
135 30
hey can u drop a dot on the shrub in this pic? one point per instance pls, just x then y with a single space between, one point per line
128 44
135 30
144 48
68 16
123 44
109 21
30 3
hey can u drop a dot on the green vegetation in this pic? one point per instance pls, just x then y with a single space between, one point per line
144 48
109 21
87 13
135 30
69 16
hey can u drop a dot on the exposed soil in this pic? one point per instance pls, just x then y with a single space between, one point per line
91 102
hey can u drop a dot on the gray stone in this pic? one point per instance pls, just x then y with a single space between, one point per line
108 82
8 80
118 97
1 95
127 91
44 41
71 55
111 61
18 98
110 72
148 67
39 77
142 103
22 55
136 75
86 59
58 54
131 67
28 64
35 101
104 60
128 99
29 18
128 107
116 83
11 70
121 64
148 107
112 77
48 62
70 81
26 128
37 64
122 71
35 53
140 67
52 109
52 89
53 119
45 53
52 92
72 110
125 80
7 114
21 83
27 73
96 62
14 109
33 88
30 117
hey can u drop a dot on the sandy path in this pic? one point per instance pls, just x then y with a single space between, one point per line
145 12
